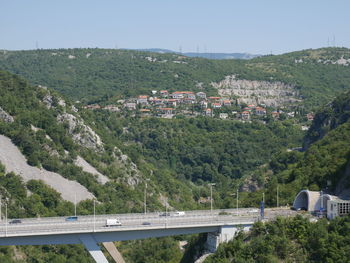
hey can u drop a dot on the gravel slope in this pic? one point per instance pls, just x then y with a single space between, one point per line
90 169
14 161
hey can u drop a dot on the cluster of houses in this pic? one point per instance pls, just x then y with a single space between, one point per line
166 105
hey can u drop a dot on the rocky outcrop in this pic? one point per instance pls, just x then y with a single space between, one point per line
4 116
81 133
131 174
330 117
257 92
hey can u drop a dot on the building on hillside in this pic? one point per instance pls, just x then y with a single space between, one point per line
337 208
142 99
260 111
177 95
203 104
245 115
226 103
157 101
214 99
208 112
145 112
164 93
171 102
201 95
130 105
223 116
216 105
111 108
275 114
166 112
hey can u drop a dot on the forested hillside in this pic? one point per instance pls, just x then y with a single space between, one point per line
98 74
323 166
177 162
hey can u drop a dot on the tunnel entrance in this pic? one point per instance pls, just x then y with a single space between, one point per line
302 201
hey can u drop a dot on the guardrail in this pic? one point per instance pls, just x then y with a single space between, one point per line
132 224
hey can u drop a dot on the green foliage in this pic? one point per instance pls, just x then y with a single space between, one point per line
152 250
289 240
98 75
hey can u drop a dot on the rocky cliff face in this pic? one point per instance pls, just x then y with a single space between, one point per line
258 92
4 116
81 133
331 116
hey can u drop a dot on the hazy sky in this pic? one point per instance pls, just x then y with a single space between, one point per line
254 26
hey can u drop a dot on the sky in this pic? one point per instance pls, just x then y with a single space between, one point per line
246 26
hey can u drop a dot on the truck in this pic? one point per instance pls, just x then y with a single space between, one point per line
113 222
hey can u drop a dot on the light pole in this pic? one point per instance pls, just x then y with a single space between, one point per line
145 197
237 201
5 220
166 212
75 204
94 215
211 198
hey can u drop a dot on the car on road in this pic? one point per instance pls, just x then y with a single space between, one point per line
146 223
164 214
72 219
15 221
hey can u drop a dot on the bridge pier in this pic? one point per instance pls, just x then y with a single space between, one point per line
225 234
90 244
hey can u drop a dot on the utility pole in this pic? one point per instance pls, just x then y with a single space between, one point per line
0 209
277 197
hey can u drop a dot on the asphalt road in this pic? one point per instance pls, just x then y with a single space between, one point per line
97 223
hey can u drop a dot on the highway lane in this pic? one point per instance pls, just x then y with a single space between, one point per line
134 221
99 225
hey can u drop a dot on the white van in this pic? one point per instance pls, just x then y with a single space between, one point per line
178 213
113 222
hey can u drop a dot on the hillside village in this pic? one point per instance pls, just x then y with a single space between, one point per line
164 104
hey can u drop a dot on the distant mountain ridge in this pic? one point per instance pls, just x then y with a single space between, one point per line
208 55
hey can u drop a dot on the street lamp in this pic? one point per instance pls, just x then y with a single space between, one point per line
75 204
145 197
277 197
94 215
211 197
5 220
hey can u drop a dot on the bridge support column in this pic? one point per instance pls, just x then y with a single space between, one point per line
91 245
225 234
